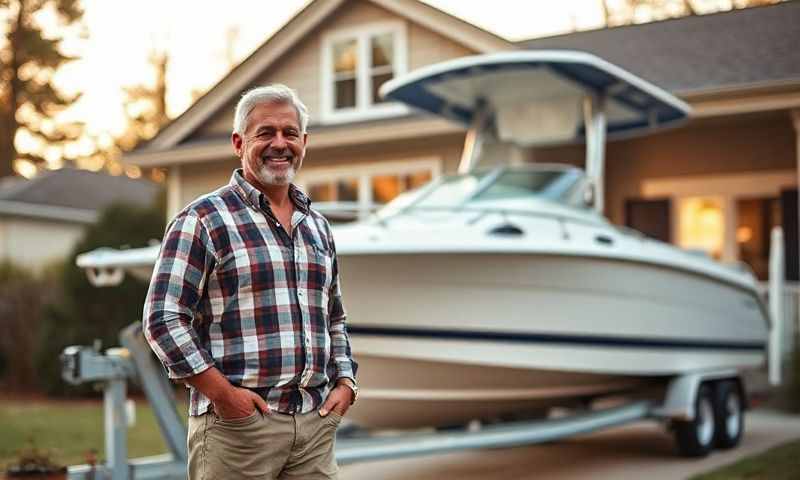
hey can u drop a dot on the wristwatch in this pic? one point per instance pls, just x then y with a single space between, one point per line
353 387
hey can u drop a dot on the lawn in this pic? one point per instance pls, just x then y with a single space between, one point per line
779 463
69 429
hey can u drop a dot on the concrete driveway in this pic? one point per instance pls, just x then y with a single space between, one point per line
640 450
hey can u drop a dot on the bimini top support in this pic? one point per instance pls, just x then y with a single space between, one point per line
540 98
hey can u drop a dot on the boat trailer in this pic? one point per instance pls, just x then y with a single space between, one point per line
134 362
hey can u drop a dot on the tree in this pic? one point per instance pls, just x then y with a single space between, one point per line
146 106
146 112
29 58
625 12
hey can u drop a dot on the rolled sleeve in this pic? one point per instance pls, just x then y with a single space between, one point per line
170 309
341 353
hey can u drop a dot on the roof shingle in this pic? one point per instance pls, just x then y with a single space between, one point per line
699 53
82 189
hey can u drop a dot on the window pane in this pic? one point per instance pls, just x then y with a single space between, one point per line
377 81
701 225
757 216
345 93
322 192
418 179
347 190
385 188
382 50
345 57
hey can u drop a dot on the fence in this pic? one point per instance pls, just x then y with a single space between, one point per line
791 318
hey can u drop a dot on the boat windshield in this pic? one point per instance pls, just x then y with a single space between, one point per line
474 190
558 185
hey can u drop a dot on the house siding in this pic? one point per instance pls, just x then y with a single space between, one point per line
757 143
426 47
36 244
199 179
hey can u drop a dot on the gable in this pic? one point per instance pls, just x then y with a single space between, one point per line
301 67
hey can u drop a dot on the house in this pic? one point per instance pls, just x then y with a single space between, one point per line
41 219
718 182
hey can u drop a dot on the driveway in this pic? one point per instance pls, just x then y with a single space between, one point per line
638 450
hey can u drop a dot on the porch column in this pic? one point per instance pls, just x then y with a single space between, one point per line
174 194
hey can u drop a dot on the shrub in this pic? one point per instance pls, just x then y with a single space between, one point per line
83 312
22 297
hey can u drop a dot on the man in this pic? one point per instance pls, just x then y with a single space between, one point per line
244 306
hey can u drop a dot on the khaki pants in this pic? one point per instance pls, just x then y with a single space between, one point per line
274 446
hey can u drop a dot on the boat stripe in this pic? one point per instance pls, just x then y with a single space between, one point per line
589 340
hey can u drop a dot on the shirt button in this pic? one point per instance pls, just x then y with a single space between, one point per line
300 293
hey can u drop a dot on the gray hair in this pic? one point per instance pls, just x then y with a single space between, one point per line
275 93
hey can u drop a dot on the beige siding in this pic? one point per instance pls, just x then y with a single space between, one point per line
720 146
426 47
301 67
447 148
202 178
36 244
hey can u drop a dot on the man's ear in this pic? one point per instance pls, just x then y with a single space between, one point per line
236 141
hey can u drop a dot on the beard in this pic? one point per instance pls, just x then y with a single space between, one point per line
269 177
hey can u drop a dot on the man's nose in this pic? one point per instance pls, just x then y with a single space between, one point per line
278 142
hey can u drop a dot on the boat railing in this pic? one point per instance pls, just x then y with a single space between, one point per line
503 212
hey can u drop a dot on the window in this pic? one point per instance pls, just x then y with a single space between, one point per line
355 64
701 224
352 192
730 216
756 217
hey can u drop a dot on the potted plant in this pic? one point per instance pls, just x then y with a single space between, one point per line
35 464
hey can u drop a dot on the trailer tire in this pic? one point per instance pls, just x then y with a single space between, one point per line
728 414
695 438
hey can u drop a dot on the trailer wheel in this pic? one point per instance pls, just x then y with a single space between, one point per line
728 414
695 438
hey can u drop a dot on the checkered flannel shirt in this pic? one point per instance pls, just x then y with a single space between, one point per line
232 289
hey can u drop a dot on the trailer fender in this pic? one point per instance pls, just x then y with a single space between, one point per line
679 400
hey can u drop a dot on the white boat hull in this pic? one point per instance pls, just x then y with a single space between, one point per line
447 338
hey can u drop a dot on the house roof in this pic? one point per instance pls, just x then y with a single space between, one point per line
700 54
72 195
297 28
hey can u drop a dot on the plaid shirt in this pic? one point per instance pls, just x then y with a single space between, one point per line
232 289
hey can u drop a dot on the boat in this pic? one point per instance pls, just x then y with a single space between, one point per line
503 291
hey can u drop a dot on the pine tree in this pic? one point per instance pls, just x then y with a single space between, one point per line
29 58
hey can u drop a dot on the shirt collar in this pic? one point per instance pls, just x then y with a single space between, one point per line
255 197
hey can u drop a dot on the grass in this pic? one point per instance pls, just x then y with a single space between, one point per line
70 429
778 463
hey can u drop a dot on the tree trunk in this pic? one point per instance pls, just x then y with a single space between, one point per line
8 151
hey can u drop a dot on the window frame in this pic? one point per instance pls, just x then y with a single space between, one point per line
364 172
364 109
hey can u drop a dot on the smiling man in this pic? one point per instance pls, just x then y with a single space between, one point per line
244 307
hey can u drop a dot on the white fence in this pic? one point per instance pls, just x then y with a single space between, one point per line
791 319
